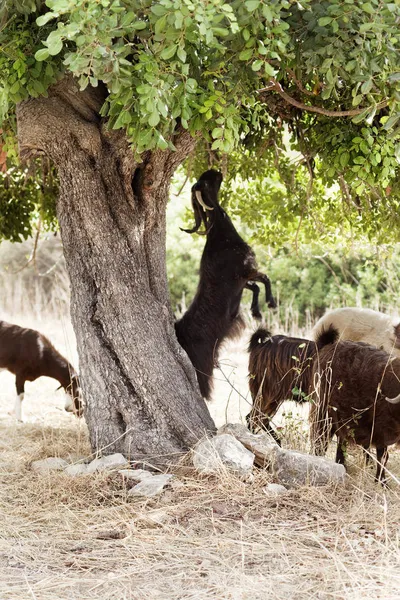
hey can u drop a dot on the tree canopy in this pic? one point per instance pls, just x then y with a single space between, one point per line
299 99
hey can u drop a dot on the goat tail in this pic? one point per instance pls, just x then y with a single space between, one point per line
260 337
327 336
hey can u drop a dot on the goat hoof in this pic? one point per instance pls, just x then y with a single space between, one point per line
257 315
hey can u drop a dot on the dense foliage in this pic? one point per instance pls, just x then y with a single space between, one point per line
300 99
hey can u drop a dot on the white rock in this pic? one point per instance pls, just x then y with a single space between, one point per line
112 461
150 486
275 489
78 469
293 469
210 455
49 464
135 474
261 444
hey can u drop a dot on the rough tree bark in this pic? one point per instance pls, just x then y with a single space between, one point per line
140 389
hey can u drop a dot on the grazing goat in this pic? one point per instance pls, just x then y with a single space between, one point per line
228 266
28 355
363 325
279 369
357 397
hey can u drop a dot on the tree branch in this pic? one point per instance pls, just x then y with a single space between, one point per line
275 86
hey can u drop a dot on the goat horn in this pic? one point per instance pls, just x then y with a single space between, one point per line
201 201
395 400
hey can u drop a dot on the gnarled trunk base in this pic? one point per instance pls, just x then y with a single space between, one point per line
139 387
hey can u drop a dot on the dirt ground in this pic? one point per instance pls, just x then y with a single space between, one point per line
65 538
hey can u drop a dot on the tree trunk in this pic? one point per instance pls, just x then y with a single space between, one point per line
139 387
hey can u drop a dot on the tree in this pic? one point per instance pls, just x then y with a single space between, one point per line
118 93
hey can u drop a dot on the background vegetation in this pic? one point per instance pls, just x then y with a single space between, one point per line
306 279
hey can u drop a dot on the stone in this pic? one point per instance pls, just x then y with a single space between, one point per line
150 486
289 467
135 474
77 469
107 463
262 445
49 464
155 517
212 455
294 469
275 489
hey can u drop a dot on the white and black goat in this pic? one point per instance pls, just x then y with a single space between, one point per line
228 266
356 397
28 355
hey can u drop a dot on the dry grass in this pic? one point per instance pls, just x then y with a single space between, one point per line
84 538
64 538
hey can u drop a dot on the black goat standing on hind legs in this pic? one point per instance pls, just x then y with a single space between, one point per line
228 266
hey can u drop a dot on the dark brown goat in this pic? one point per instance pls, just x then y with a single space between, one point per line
279 369
28 355
357 388
228 266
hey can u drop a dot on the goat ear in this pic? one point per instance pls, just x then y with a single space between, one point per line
396 329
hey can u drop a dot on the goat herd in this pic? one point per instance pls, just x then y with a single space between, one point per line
349 373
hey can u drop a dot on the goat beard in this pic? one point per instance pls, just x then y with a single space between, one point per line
200 216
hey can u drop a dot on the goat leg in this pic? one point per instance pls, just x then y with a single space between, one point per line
382 456
255 308
20 387
341 451
261 278
367 455
255 423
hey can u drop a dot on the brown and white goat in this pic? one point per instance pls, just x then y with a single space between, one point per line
28 355
279 369
228 266
357 397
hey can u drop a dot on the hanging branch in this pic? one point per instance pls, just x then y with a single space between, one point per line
275 86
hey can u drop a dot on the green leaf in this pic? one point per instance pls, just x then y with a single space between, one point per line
217 132
181 53
361 116
42 54
169 52
391 121
15 87
257 64
160 24
128 19
246 54
366 86
46 18
158 10
394 77
324 21
344 159
269 69
368 8
357 99
138 25
154 119
54 45
252 5
266 11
